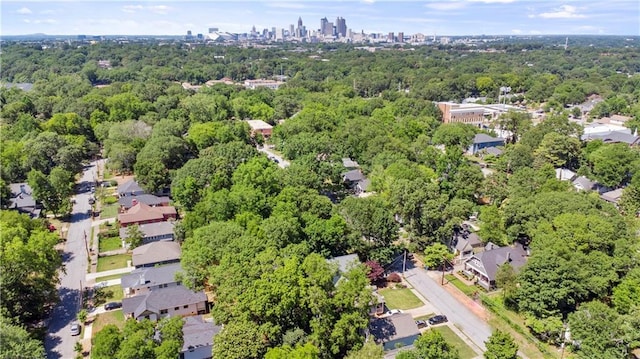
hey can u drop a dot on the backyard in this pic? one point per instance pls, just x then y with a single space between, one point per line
113 262
400 298
464 351
107 294
109 210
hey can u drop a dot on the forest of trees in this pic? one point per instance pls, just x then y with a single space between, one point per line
258 236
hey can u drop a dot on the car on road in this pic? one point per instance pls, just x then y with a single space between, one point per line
93 189
393 311
438 319
112 305
92 200
75 329
421 324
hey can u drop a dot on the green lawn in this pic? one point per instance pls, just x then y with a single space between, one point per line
109 211
110 244
464 351
113 262
109 277
115 317
403 298
107 294
466 289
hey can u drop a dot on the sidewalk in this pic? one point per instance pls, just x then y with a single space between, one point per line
93 276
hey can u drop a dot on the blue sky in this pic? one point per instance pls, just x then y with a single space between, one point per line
442 17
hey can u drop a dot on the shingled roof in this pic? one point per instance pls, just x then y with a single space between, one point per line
155 252
159 299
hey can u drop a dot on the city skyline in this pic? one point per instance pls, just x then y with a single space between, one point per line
444 17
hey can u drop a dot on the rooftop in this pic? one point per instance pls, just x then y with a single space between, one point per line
151 276
259 125
159 299
197 332
155 252
396 326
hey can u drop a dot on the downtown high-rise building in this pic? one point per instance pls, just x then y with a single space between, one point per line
341 27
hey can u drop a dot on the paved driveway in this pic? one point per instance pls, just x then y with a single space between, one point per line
282 163
59 342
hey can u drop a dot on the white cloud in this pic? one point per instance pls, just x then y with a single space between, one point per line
24 11
159 9
45 21
563 12
516 31
287 5
535 32
132 8
492 1
445 6
368 1
47 12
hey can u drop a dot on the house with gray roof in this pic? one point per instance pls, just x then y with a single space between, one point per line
127 202
152 232
129 188
349 163
394 330
22 200
564 174
143 280
156 253
198 335
465 244
631 139
582 183
612 196
484 265
482 140
165 302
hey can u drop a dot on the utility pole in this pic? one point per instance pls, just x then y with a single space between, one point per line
404 262
86 244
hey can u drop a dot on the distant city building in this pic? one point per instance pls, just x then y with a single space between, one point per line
213 29
401 37
253 84
341 27
390 37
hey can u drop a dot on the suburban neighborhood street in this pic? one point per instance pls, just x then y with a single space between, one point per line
458 314
59 342
282 163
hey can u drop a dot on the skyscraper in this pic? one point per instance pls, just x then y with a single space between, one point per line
299 22
323 24
341 27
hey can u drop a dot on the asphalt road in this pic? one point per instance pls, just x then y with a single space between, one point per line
477 330
59 342
282 163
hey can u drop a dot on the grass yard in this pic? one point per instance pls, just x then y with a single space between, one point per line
464 351
424 317
109 211
113 262
110 244
400 298
464 288
115 317
107 294
108 277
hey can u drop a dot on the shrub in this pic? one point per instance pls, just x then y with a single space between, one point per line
394 278
109 200
113 183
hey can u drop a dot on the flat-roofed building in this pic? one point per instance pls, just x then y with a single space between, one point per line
261 127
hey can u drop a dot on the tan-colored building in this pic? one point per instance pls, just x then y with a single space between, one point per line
462 113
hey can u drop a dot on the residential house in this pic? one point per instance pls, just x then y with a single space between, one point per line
465 244
631 139
344 264
349 164
612 196
394 330
129 188
482 141
152 232
127 202
484 265
564 174
141 213
143 280
156 253
356 181
22 200
493 151
165 302
261 127
582 183
198 335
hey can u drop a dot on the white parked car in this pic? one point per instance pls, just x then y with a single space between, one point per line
393 311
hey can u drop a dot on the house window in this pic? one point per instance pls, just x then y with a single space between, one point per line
176 308
186 306
164 311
